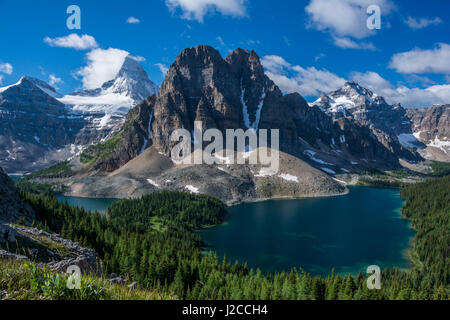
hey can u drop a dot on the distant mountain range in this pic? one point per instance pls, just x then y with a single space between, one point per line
40 126
119 134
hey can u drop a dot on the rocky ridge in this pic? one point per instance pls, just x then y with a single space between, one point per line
431 126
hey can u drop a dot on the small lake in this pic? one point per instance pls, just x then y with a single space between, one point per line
89 204
15 176
348 233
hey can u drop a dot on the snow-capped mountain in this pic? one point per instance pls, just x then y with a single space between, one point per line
389 123
117 96
367 108
432 127
33 125
40 126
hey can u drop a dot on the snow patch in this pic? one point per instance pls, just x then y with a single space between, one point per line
265 172
192 189
440 144
111 103
328 170
340 181
288 177
153 183
255 125
224 160
311 154
104 121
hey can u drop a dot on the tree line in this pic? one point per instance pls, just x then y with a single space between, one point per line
154 241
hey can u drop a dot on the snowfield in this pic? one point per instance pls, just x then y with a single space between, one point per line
192 189
288 177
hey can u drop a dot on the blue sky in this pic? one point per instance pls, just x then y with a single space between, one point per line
308 46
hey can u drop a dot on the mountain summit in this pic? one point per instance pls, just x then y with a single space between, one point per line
129 87
389 123
40 126
132 81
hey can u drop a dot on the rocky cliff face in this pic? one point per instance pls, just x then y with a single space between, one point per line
235 93
131 141
387 122
432 127
33 123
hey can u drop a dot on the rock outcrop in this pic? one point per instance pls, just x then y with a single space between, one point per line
51 249
35 244
33 124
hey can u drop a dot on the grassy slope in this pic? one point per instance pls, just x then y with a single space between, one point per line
26 281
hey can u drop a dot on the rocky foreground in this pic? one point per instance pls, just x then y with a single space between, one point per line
26 243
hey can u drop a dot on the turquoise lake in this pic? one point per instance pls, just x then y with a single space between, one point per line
99 205
348 233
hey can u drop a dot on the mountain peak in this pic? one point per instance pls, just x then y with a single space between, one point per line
130 68
198 55
131 81
30 83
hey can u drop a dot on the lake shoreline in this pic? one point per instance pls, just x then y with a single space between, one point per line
400 260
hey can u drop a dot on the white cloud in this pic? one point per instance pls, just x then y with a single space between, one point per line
409 97
293 78
133 20
435 60
198 9
312 82
102 65
6 68
287 41
162 67
344 17
74 41
220 40
421 23
321 55
348 43
54 80
139 58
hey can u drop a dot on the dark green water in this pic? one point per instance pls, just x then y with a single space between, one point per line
15 177
348 233
99 205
